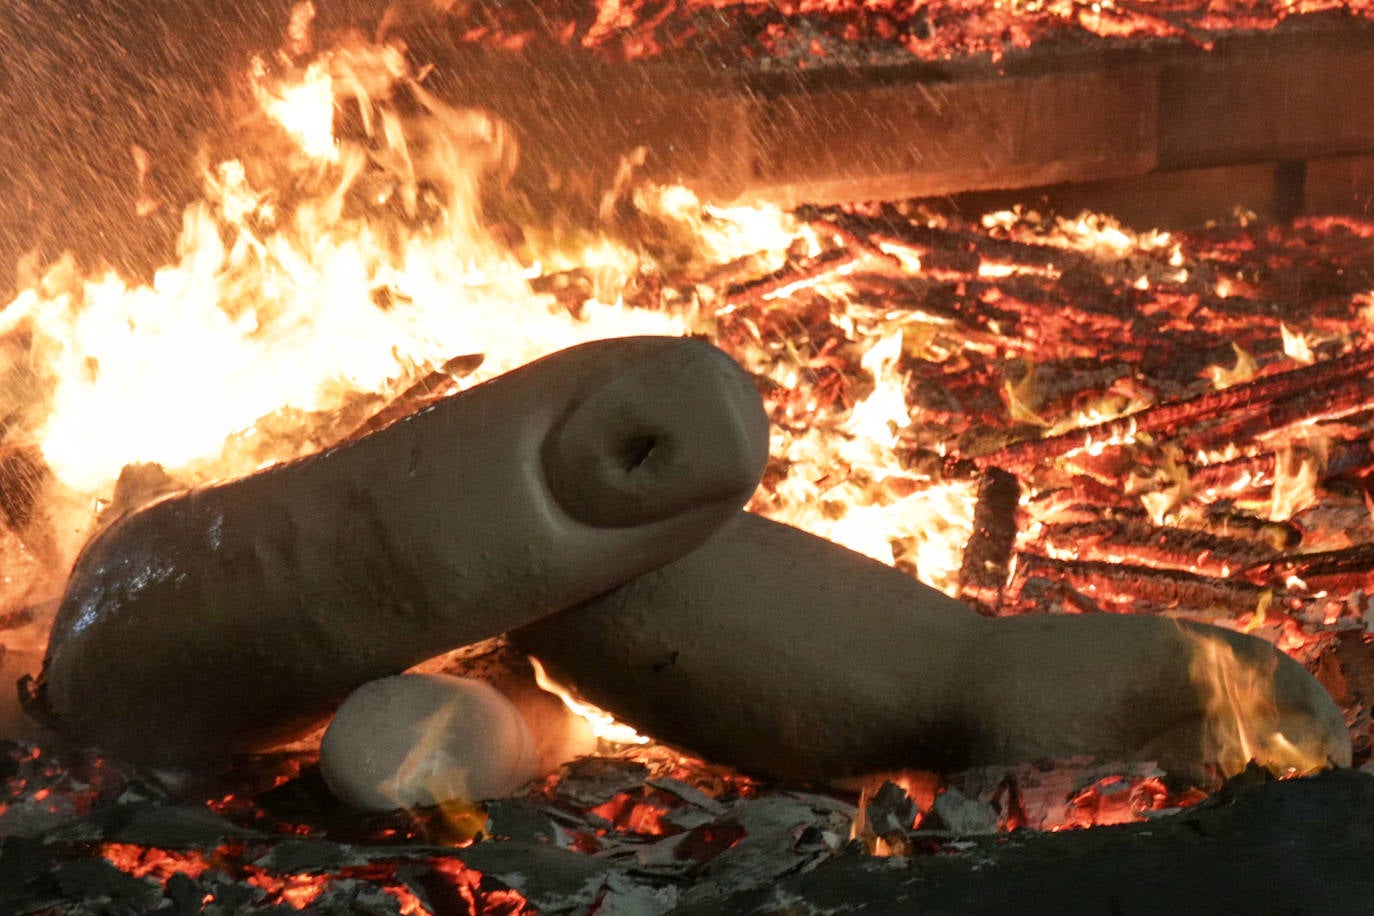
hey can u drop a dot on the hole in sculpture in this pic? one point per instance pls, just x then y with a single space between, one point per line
637 450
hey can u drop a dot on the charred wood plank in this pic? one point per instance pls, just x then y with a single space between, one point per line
1138 542
1123 584
827 262
1251 473
1237 475
1311 385
1344 396
1353 457
1224 519
929 238
435 385
987 558
1087 501
1332 570
856 241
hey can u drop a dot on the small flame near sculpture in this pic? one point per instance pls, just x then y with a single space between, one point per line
1242 723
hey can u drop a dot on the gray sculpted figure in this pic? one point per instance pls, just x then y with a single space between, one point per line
782 653
235 616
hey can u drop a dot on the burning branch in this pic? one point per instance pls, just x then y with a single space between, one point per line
434 387
1139 543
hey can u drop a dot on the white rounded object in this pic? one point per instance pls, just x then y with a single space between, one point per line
422 739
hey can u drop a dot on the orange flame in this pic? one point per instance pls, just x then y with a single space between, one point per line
1241 722
324 269
604 725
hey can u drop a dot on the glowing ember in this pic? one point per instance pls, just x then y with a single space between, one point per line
301 891
142 862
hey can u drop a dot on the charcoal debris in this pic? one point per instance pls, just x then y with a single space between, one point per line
1203 860
750 849
890 811
553 880
770 847
167 826
623 896
522 822
593 780
957 813
690 794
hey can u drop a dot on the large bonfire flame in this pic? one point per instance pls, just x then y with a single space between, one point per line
342 263
326 272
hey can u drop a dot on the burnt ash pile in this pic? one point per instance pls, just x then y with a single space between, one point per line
653 833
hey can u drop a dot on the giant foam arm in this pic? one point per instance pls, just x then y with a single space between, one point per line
785 654
233 616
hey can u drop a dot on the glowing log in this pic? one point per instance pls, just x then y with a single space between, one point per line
423 739
1137 541
1338 571
1342 397
790 274
782 653
1116 582
1324 389
233 616
987 558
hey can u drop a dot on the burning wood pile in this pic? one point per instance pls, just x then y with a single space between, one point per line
821 297
827 32
1142 457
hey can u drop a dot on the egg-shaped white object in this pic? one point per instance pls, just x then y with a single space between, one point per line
422 739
